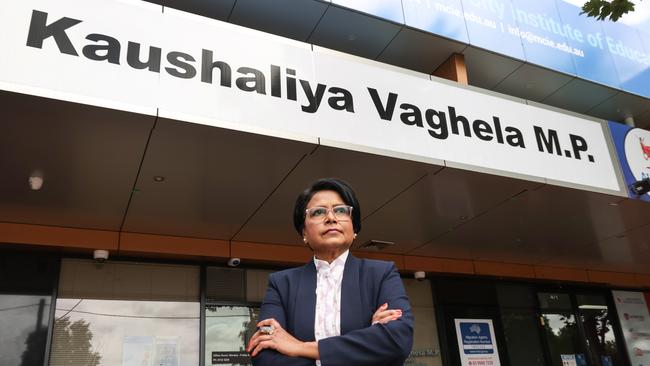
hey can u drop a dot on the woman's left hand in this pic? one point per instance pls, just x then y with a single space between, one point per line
281 341
384 315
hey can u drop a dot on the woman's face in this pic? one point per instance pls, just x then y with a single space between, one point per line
328 234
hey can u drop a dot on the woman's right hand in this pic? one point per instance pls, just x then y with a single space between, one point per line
384 315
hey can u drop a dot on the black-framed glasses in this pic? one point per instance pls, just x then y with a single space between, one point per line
319 213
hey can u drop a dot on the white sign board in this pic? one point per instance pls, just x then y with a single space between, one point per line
569 360
130 55
633 315
476 342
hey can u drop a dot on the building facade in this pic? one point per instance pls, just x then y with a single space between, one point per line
152 153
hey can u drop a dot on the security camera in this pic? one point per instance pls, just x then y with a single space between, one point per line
420 275
234 262
100 255
641 187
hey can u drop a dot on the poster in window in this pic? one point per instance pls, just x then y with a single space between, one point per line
635 320
137 350
476 342
167 351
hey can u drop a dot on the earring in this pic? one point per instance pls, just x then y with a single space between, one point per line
304 240
355 235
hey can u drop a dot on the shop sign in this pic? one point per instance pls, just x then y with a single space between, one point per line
633 150
634 317
231 358
476 342
130 55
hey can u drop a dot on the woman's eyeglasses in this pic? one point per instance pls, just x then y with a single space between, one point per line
340 212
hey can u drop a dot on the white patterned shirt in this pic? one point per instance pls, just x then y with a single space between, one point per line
327 322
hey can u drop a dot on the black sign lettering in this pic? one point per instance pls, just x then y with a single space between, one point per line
181 61
579 145
314 99
253 81
109 50
39 31
385 112
547 142
207 66
342 102
440 121
133 57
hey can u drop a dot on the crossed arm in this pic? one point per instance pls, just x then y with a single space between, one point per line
387 340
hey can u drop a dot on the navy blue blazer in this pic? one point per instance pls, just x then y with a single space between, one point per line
367 284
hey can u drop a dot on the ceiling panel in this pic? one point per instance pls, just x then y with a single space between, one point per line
643 120
579 95
352 32
620 106
420 51
89 158
487 69
532 82
375 179
215 179
628 252
212 9
541 222
288 18
437 204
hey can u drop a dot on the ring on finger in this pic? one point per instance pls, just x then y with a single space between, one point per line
266 329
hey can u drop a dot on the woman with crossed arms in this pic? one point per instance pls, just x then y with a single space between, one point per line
336 309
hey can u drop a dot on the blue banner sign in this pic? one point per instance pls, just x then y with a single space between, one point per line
441 17
593 61
387 9
549 33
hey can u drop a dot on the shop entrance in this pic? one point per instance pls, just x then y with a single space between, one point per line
578 330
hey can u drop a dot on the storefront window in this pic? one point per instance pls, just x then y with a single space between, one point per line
227 331
561 333
519 319
522 338
233 300
23 329
475 299
126 314
426 347
26 285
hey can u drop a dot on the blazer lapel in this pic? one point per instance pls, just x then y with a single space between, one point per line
351 307
305 305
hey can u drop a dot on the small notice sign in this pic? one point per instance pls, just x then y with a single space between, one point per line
231 358
476 342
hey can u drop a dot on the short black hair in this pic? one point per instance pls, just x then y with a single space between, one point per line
326 184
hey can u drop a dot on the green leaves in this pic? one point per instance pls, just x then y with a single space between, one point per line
602 9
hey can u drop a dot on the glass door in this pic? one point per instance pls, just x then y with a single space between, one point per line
560 330
578 329
597 323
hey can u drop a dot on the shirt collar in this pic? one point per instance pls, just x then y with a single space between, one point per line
338 262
